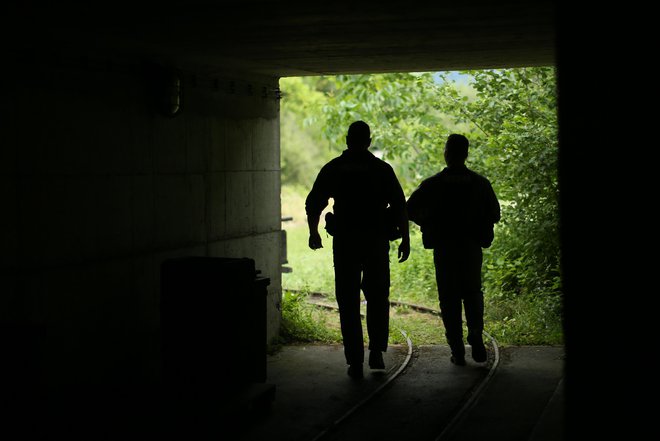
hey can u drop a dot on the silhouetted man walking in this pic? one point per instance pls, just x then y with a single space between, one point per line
456 210
362 187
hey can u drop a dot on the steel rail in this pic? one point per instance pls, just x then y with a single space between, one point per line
369 397
458 416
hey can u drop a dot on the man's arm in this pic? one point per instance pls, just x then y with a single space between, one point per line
398 203
315 203
416 205
493 204
404 246
315 241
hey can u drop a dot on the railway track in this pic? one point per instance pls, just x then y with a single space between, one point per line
468 403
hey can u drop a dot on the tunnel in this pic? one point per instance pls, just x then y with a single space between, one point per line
138 134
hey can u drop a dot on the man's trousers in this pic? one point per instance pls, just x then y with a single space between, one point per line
362 263
458 276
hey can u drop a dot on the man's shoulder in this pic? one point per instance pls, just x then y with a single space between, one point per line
382 163
373 162
446 176
333 163
479 177
432 179
428 185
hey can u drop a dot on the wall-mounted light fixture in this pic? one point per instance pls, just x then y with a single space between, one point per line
166 89
171 92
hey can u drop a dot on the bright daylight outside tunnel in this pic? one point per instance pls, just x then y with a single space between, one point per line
510 119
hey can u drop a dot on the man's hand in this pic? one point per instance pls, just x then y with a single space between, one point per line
404 250
314 237
315 241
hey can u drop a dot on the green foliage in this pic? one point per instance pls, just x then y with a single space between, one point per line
514 115
422 328
304 149
304 322
400 108
414 280
509 117
312 270
523 320
301 322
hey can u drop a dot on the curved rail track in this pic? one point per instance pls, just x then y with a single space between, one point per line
457 417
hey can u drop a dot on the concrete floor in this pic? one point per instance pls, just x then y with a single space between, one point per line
313 399
522 401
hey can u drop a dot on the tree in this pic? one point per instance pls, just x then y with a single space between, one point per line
515 112
304 148
509 117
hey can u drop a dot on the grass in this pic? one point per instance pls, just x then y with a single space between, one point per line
312 269
307 322
511 321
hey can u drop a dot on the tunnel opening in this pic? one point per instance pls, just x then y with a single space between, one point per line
510 117
275 41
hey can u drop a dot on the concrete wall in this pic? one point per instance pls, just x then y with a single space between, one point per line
98 189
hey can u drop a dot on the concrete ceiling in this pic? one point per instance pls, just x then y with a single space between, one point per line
281 38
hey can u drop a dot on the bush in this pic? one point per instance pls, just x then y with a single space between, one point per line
301 322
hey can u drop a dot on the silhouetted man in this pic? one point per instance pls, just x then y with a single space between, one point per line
456 210
362 187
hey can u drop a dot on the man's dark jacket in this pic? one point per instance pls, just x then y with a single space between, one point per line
455 207
362 187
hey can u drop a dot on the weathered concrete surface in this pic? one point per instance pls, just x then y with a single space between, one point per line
306 38
100 189
313 390
522 399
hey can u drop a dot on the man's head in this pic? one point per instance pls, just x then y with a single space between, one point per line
456 149
359 136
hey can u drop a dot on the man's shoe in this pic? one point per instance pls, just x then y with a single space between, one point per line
458 360
376 360
355 371
478 351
